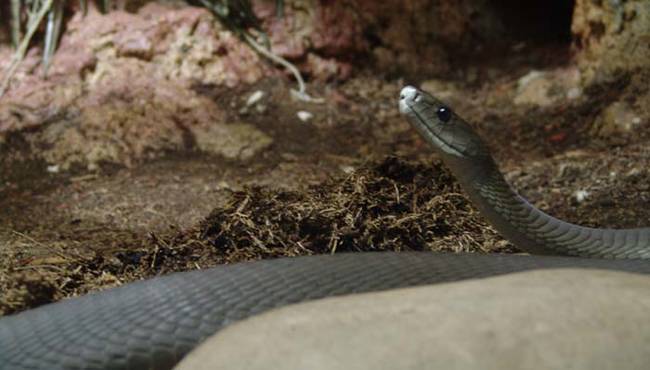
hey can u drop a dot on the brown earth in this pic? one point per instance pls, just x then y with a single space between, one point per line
103 182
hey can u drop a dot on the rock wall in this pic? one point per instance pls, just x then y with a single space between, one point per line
172 46
415 37
328 39
120 87
611 37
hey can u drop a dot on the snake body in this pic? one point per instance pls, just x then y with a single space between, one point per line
152 324
529 228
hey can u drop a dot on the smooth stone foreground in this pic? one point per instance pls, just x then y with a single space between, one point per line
547 319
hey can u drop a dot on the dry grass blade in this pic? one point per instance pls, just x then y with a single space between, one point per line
301 93
35 20
52 33
239 17
107 5
16 31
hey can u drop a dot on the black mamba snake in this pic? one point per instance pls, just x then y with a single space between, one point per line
527 227
152 324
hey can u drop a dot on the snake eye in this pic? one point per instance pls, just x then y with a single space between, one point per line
444 114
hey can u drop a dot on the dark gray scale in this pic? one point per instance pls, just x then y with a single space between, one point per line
153 324
523 224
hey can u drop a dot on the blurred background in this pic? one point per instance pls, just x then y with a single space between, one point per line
143 137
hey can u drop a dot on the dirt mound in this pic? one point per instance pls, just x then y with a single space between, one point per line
388 205
391 205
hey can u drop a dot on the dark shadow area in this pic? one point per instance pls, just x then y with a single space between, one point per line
538 21
5 22
534 34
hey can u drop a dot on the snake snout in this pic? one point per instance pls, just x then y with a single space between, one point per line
409 94
407 97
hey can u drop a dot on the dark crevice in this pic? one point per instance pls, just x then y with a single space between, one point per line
540 21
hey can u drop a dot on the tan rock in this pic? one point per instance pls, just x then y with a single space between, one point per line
550 319
121 89
617 118
234 141
545 88
611 36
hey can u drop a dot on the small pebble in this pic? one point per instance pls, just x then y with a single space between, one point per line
255 97
574 93
581 195
304 115
347 169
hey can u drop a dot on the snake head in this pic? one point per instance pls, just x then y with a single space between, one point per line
449 134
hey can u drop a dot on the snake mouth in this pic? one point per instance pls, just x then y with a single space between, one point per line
424 126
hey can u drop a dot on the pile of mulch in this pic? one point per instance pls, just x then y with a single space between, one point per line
391 205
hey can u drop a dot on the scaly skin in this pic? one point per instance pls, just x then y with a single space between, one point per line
153 324
523 224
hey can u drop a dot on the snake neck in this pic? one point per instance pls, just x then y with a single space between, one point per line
534 231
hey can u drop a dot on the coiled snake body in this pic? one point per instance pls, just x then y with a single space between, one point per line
153 324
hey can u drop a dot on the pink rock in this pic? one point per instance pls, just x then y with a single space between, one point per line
337 30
